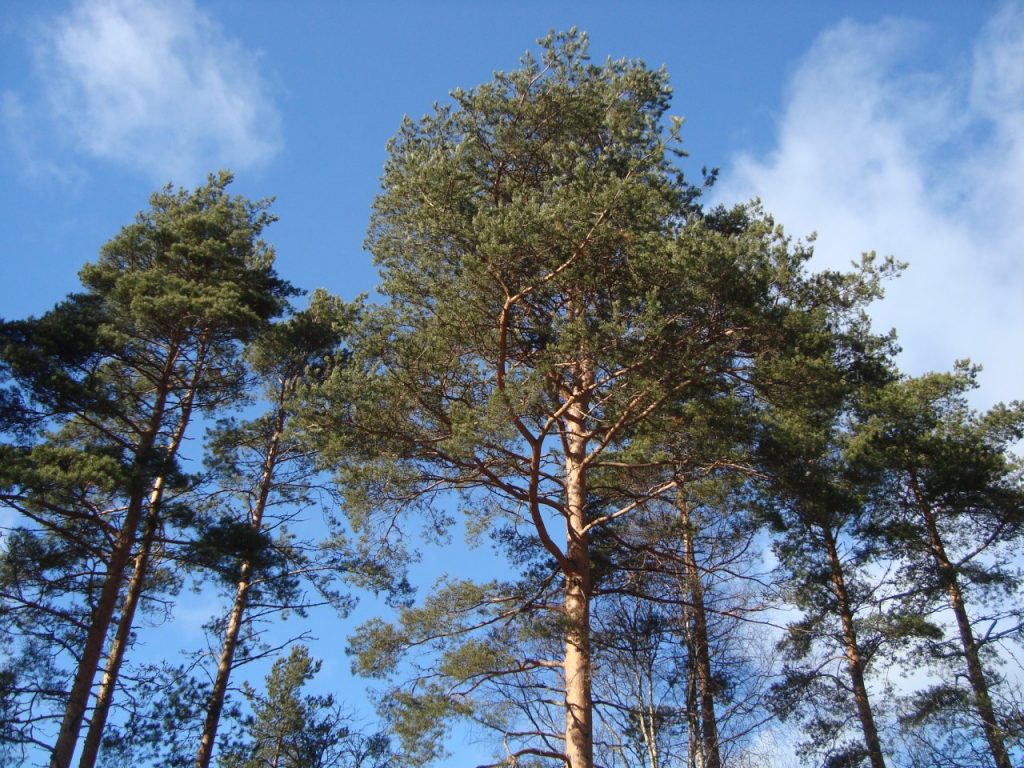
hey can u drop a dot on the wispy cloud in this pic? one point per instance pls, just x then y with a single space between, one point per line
156 86
874 152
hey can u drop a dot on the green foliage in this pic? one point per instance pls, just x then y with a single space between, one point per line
289 729
923 434
161 725
105 386
551 277
952 514
195 260
557 302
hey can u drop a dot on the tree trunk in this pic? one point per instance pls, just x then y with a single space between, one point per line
695 744
854 658
118 646
975 672
579 739
120 556
646 711
224 666
102 618
235 620
136 585
650 729
700 647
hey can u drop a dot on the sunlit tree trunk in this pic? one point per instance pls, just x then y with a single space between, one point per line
235 620
579 741
137 582
854 656
122 636
975 671
103 614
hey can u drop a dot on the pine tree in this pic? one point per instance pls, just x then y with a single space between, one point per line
552 285
292 730
820 510
113 376
953 514
267 475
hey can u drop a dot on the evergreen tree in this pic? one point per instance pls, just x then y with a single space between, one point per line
292 730
552 286
820 509
112 377
953 514
266 475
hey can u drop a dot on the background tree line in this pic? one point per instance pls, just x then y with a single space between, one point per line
725 516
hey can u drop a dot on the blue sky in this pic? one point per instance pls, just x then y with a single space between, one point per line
902 134
897 133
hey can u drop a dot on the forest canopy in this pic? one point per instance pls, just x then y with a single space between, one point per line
723 522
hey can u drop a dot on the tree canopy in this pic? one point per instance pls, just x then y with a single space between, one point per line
720 514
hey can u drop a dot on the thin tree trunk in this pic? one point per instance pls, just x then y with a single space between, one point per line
701 650
694 739
651 730
854 658
647 716
975 672
579 739
235 620
115 655
215 705
140 571
103 613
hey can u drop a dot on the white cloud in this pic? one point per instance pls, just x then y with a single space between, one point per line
22 140
875 153
156 85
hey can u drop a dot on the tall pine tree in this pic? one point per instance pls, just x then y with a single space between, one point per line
114 375
552 284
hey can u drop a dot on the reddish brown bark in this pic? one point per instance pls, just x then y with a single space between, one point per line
975 671
855 661
120 556
233 629
136 584
118 646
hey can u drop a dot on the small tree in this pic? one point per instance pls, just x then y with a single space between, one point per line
292 730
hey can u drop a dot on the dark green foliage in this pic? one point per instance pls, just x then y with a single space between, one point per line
933 450
223 543
105 386
820 703
261 475
160 725
553 287
952 514
259 726
289 729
